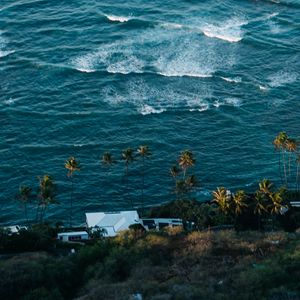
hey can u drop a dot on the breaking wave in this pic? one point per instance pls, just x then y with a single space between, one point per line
3 46
120 19
230 31
147 110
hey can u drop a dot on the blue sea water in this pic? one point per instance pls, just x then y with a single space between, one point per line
78 78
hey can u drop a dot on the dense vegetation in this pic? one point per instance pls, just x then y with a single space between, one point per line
171 264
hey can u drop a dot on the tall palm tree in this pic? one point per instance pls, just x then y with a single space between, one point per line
72 165
186 161
276 205
260 205
144 152
191 182
291 147
220 197
239 202
46 195
24 197
128 157
174 172
297 172
280 143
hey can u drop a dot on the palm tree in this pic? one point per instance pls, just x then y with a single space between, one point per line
260 205
191 182
279 143
291 147
127 156
174 172
186 160
46 195
297 172
276 204
24 197
239 202
144 152
72 165
220 196
265 186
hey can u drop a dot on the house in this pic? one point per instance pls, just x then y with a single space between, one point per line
159 223
295 203
112 222
74 236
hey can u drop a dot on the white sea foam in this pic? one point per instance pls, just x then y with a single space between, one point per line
227 101
172 25
147 109
233 101
234 80
85 63
282 78
120 19
129 65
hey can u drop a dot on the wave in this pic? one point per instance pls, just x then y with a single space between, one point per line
230 30
234 80
120 19
147 110
262 88
5 53
211 33
200 108
170 74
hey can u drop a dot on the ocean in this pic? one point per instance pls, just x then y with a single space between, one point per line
78 78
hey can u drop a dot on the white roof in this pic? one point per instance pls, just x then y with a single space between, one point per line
112 222
72 233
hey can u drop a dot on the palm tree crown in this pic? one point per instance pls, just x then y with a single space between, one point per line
186 160
220 196
127 156
72 165
144 151
107 159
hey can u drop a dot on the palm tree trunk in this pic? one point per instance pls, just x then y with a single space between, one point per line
71 203
297 178
143 183
37 213
26 214
279 165
284 167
